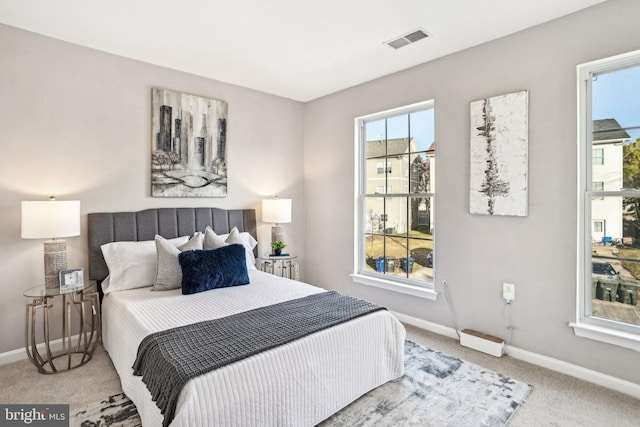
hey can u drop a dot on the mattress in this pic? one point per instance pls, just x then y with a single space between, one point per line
298 384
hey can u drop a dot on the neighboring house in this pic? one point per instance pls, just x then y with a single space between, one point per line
606 212
402 171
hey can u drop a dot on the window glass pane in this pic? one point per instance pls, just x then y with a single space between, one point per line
616 96
420 261
419 173
374 176
396 215
615 259
616 127
422 130
398 130
374 252
375 136
631 165
421 222
374 215
609 212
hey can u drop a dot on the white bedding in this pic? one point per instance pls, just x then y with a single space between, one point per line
298 384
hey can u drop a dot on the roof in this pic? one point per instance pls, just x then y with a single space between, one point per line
395 147
602 132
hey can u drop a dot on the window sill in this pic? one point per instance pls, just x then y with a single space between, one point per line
607 335
390 285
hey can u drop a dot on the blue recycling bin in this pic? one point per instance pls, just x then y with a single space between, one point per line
380 264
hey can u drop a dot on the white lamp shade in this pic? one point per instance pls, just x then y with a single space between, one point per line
276 211
50 219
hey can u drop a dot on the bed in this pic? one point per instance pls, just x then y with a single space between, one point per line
299 383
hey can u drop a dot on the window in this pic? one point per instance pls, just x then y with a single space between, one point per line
380 167
598 156
597 186
395 232
609 201
598 226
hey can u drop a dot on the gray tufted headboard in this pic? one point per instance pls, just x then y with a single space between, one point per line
167 222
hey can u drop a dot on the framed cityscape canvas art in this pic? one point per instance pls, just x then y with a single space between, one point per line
499 155
189 145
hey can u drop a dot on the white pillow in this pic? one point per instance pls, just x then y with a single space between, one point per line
215 241
246 240
168 270
132 264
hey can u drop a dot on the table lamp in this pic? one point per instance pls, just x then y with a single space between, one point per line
50 220
276 211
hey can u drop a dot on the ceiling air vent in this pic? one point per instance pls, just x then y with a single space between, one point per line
406 39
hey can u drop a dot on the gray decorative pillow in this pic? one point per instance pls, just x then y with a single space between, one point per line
168 270
213 240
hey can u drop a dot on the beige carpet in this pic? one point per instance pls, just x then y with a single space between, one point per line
556 400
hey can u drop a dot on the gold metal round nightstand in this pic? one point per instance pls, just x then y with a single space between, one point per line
71 356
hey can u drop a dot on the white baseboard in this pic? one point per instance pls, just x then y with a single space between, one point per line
21 354
429 326
604 380
595 377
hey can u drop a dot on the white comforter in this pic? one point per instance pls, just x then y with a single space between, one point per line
298 384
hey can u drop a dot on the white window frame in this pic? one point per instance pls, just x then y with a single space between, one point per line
360 275
608 331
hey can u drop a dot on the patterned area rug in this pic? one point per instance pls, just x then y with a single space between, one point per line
436 390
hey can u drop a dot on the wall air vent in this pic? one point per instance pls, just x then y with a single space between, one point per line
406 39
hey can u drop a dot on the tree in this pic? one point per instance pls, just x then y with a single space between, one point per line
174 158
631 180
160 158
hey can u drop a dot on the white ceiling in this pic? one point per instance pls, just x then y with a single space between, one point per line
299 49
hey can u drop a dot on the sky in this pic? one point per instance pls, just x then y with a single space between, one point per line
420 126
616 95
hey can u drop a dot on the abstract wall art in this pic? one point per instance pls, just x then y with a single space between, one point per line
189 145
499 155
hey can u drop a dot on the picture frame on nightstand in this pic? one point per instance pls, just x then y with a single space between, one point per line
71 280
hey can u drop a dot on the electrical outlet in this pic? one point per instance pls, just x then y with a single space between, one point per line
509 291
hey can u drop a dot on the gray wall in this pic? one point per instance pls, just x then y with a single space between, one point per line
477 253
76 123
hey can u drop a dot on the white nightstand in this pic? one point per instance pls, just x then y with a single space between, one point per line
283 265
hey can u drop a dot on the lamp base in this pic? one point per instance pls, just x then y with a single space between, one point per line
55 259
277 233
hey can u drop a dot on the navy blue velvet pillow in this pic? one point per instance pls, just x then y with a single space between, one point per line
212 269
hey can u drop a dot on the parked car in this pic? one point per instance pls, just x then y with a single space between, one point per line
429 259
